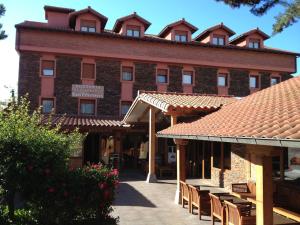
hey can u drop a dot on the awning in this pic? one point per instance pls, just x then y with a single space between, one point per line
170 102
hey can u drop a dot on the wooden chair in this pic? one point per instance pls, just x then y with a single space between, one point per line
239 214
245 191
199 199
185 195
217 209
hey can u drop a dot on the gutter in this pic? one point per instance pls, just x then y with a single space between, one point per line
292 143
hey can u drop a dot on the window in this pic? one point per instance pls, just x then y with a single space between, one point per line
217 160
88 26
48 68
222 80
187 77
254 81
88 71
181 36
218 40
162 76
87 107
127 73
125 107
133 31
47 105
254 43
275 80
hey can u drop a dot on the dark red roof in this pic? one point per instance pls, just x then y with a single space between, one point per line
167 28
102 18
134 15
206 32
242 37
58 9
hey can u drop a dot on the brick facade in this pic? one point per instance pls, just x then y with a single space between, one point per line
175 78
205 80
237 172
108 75
29 79
145 77
68 72
239 83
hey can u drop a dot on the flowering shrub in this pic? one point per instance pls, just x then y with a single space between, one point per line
84 193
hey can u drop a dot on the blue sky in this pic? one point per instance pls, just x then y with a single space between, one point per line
201 13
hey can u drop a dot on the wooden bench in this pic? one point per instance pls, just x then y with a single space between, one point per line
248 191
245 191
199 199
239 214
217 209
185 195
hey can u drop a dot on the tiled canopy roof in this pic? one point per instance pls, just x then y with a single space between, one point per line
206 32
82 121
272 114
241 37
167 101
134 15
167 28
170 102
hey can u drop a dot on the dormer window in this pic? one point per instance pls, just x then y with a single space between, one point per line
187 78
181 36
88 26
133 31
254 43
218 40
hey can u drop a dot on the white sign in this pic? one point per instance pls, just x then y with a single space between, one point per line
89 91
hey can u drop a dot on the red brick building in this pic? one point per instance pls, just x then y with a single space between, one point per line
73 65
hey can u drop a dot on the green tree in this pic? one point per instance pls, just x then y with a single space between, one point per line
288 17
2 32
31 156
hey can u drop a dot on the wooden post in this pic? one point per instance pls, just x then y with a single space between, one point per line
151 178
282 165
203 160
181 173
248 165
211 156
264 191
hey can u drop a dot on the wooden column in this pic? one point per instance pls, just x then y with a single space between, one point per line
248 165
282 165
203 160
181 173
151 178
264 191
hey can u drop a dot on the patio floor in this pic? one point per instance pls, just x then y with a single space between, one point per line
139 203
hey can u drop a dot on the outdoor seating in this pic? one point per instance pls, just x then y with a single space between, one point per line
185 195
239 214
199 199
217 209
245 191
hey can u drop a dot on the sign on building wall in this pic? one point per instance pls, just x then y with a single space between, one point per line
87 91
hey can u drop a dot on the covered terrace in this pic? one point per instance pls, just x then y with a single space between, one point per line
264 124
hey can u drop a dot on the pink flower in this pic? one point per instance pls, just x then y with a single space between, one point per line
107 195
102 185
115 172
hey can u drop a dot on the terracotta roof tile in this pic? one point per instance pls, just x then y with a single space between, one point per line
82 121
168 100
272 113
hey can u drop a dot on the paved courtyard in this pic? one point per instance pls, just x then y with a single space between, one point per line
139 203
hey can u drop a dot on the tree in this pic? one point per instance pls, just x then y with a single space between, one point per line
290 15
2 32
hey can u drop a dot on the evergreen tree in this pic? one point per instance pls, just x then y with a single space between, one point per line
2 32
289 16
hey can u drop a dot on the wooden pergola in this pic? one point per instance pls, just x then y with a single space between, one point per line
266 122
150 107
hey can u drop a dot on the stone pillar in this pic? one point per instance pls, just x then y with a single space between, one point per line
151 178
181 173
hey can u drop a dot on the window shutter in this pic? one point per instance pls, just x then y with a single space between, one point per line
88 71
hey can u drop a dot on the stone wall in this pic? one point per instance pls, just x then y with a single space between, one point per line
68 72
29 78
205 80
238 171
175 79
145 78
108 75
